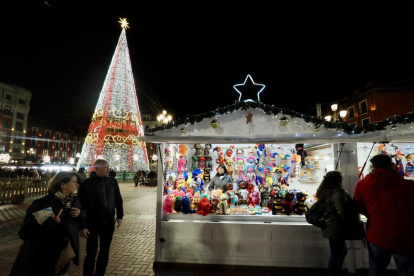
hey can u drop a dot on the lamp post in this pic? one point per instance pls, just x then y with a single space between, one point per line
164 118
335 117
78 155
31 153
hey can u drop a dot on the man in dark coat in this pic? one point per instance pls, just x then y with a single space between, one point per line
100 196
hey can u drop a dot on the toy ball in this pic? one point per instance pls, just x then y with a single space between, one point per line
215 124
182 130
283 121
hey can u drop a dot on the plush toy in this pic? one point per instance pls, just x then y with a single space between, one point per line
242 193
197 148
250 163
224 207
215 200
177 204
258 210
209 162
167 206
207 148
197 183
265 210
277 205
203 207
229 153
229 167
220 156
194 203
300 203
409 171
252 210
260 150
251 176
288 204
264 196
260 164
183 150
240 167
255 198
180 184
201 162
206 175
185 203
194 163
301 153
181 165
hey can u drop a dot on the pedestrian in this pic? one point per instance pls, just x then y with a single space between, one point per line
82 174
100 196
221 180
112 173
44 242
384 197
333 200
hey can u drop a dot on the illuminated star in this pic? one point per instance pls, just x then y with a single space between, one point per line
249 117
124 23
244 83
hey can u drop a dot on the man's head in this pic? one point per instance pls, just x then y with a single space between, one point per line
381 161
101 167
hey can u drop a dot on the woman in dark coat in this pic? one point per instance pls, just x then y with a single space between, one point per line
334 200
43 242
221 180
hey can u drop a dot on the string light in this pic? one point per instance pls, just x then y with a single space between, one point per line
242 84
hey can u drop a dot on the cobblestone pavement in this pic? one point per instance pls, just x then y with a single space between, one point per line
133 244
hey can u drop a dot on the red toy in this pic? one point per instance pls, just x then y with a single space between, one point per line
203 207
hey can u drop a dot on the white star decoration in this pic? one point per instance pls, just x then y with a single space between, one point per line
241 84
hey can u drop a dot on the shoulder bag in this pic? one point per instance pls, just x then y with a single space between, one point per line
314 215
66 255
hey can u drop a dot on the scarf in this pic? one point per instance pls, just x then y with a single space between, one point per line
65 199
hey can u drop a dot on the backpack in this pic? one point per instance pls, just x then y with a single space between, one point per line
354 228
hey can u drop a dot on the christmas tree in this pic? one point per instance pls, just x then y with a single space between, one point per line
116 123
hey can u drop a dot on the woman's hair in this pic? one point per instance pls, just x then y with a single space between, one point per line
60 177
222 166
331 181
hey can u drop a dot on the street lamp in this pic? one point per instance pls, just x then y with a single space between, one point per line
335 117
164 118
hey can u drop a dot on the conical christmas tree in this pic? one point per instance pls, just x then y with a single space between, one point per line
116 123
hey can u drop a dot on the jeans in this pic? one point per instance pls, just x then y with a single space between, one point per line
337 257
105 233
379 259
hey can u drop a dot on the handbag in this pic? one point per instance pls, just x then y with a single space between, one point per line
354 227
66 255
314 215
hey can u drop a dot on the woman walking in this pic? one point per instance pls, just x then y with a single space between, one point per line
45 239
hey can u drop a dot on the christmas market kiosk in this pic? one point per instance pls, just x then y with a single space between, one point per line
275 160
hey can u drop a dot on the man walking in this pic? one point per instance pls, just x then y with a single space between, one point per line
385 198
100 196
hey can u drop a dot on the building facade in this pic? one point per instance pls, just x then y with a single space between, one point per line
149 121
376 105
52 143
14 110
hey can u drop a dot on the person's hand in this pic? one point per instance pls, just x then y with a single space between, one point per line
56 217
119 222
84 233
74 212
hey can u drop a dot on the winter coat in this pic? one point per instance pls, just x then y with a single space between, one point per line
384 197
43 243
336 213
217 183
100 196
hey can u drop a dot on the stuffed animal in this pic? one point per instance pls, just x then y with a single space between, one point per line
194 203
197 148
197 183
194 164
252 210
288 204
242 193
277 205
224 207
183 150
240 167
265 210
215 200
185 203
203 207
399 167
181 165
409 171
206 175
264 196
251 176
255 198
177 204
250 163
201 162
180 184
300 203
258 210
209 162
229 167
167 206
207 148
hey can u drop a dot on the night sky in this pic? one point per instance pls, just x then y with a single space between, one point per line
187 59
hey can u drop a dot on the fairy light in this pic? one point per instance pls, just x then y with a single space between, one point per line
116 124
242 84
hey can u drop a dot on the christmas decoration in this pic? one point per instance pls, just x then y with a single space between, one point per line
215 124
116 123
249 117
182 130
283 121
394 127
268 109
244 83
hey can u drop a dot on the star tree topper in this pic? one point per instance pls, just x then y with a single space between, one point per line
124 23
262 86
